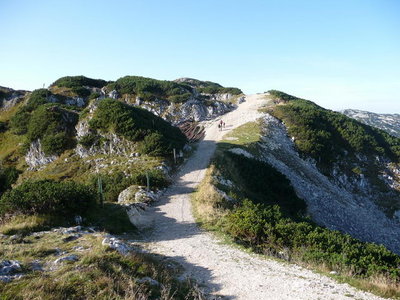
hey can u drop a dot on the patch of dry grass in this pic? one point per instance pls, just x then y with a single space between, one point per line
100 272
206 201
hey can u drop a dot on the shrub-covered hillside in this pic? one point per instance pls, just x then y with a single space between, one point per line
156 136
328 136
177 91
150 89
209 87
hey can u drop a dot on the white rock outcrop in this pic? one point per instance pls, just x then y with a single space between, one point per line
36 158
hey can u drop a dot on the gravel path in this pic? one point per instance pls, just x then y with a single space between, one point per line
218 268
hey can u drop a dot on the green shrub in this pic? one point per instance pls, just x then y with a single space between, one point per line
266 229
217 89
153 145
19 122
3 126
56 143
37 98
81 91
260 181
8 176
88 140
79 81
135 124
150 89
54 126
94 95
281 96
49 197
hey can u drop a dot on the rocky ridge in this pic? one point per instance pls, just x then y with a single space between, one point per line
388 122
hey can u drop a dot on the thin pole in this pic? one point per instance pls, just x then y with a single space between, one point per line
100 189
148 180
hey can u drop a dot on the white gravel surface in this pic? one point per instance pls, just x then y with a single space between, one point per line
222 271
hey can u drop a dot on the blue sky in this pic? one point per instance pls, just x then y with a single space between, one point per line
340 54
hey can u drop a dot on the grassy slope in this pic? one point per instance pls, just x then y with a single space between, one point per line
100 273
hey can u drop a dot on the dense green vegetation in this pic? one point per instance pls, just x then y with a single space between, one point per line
328 136
8 176
209 87
3 126
49 197
281 96
50 122
251 177
78 82
54 126
149 89
219 90
136 124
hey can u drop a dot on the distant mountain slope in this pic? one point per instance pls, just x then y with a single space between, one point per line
388 122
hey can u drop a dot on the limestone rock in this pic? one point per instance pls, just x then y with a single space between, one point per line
113 94
149 281
127 196
143 196
117 245
10 267
36 158
72 257
140 216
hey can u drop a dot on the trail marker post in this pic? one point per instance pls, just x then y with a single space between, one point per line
100 190
148 181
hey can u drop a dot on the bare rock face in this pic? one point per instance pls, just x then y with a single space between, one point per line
11 97
113 94
194 109
220 97
36 158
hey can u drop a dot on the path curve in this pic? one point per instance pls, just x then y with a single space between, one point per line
218 268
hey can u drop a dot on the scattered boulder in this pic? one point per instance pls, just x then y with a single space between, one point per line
143 196
10 267
139 215
148 280
72 257
117 245
71 238
127 196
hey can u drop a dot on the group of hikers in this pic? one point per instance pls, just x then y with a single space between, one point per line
221 125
